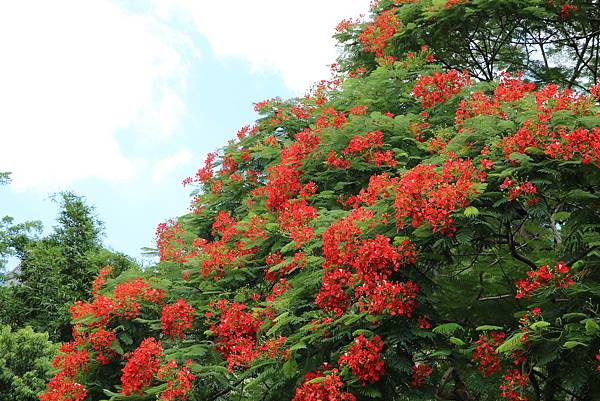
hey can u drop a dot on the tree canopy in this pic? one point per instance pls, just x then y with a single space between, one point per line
423 225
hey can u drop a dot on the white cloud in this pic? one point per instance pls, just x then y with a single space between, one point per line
170 164
293 38
74 73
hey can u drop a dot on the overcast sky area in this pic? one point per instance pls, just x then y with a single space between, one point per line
119 101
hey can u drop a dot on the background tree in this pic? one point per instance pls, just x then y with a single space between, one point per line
25 363
58 269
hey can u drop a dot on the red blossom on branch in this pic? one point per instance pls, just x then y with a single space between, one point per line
176 318
364 359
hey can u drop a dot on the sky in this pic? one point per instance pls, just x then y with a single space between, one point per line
119 101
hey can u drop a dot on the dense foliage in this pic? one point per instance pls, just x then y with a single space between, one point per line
406 231
25 363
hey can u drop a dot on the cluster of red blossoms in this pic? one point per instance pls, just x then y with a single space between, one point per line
126 302
329 388
439 87
518 189
364 359
100 279
420 374
512 386
559 276
285 194
169 241
179 381
71 360
426 195
236 334
176 318
373 261
141 367
376 34
510 89
485 353
367 146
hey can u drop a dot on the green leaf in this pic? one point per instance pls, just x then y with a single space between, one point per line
573 344
488 327
471 211
457 341
512 343
290 369
591 327
539 325
447 328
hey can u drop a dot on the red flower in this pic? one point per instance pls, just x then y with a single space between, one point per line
420 373
328 389
376 34
364 359
100 279
485 353
512 386
176 318
179 381
141 367
439 87
101 340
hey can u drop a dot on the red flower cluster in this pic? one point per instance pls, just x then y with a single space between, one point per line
485 353
511 88
567 144
236 334
279 288
100 279
101 340
518 189
330 118
373 261
169 241
366 145
128 295
329 389
566 10
364 359
361 143
176 318
380 187
64 388
439 87
420 373
71 359
424 194
377 257
544 277
126 303
333 296
378 297
179 381
141 367
549 99
512 387
376 34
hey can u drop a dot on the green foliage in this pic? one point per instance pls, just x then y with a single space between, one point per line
25 363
